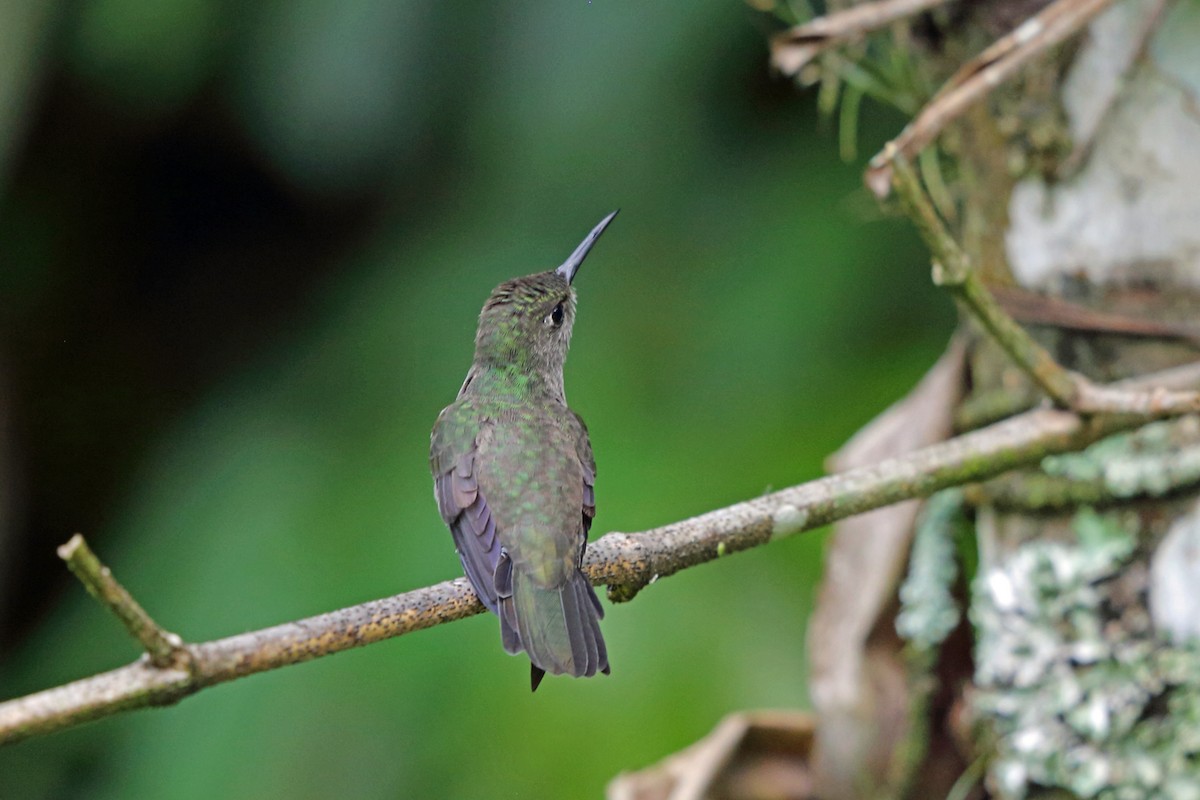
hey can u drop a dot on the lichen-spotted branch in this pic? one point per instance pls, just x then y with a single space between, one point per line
626 562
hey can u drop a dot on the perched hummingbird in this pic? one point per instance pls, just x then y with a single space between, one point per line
514 475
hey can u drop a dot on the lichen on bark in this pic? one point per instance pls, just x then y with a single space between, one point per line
1078 689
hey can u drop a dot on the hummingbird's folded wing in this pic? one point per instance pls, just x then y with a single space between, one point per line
583 449
466 512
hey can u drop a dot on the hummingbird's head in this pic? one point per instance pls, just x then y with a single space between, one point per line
527 321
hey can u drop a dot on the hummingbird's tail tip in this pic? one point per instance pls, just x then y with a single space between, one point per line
536 674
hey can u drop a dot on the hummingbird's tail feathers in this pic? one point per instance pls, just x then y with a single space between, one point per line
536 674
559 627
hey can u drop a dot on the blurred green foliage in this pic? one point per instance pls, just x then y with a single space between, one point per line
743 316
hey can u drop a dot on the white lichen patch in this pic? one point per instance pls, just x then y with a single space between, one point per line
1078 688
787 520
1153 460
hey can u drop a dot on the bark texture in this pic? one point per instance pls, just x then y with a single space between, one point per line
1063 660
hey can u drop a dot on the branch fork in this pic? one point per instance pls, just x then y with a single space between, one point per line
952 269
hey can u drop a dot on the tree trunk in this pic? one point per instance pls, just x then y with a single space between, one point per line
1034 635
1073 187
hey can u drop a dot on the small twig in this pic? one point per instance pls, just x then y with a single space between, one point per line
792 49
1036 492
1157 402
1033 308
164 648
980 75
953 270
986 408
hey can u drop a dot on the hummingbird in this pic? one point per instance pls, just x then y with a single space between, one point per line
514 475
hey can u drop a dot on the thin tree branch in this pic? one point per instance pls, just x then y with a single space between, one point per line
974 79
1151 403
141 685
626 562
1030 307
164 648
954 271
797 46
1001 404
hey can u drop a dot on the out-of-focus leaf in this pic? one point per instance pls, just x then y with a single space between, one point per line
749 755
858 682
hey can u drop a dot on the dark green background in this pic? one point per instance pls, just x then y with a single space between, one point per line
242 249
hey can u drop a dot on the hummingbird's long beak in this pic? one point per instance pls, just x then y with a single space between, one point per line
573 262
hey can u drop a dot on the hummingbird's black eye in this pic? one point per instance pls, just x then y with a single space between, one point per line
556 316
